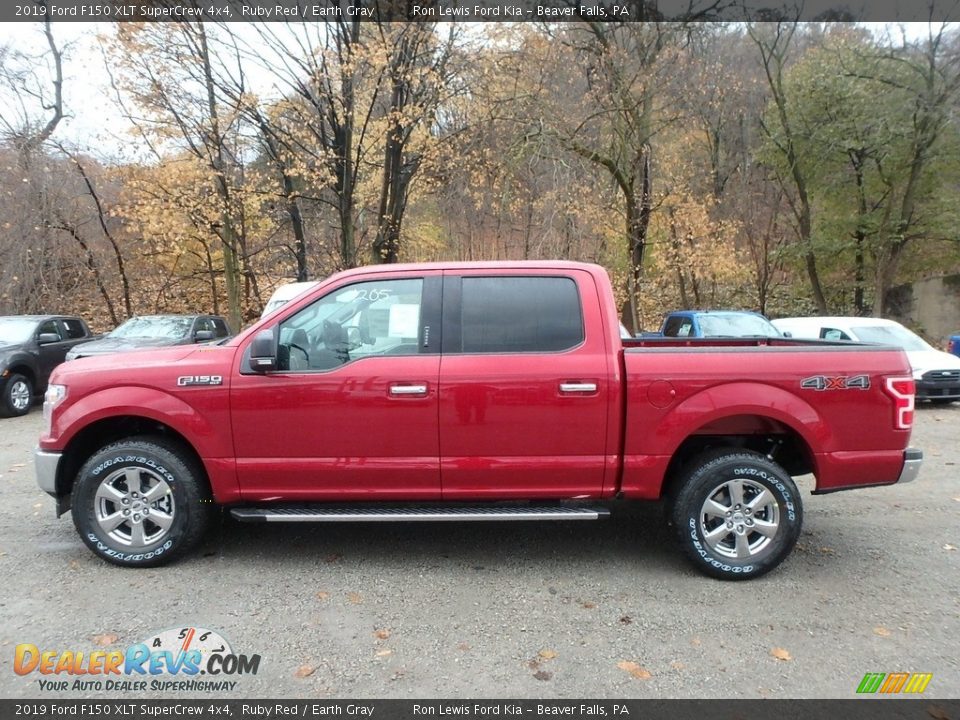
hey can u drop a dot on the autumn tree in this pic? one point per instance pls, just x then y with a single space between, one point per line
168 71
774 42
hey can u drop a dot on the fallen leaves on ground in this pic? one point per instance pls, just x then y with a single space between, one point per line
626 620
588 605
937 712
677 665
355 598
384 653
381 634
635 670
547 654
948 546
781 654
881 631
322 595
105 639
305 671
542 675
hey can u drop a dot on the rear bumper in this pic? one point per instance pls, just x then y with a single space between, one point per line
912 460
848 470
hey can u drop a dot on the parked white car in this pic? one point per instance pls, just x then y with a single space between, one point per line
937 374
285 293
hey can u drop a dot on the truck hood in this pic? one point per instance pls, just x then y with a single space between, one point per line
124 365
923 361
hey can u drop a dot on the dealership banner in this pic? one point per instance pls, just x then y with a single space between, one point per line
616 11
899 709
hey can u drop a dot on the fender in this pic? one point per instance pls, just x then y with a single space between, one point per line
195 425
651 445
25 359
206 427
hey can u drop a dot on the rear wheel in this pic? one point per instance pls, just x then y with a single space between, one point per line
141 502
17 396
737 514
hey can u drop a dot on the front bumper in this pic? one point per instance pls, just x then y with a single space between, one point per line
912 460
47 464
939 385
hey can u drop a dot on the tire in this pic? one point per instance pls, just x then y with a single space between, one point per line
17 396
733 538
171 496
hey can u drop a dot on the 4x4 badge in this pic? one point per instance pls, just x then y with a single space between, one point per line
825 382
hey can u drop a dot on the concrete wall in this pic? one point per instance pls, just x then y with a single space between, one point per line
931 307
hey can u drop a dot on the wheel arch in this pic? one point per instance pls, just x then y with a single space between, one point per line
773 438
22 368
748 415
106 431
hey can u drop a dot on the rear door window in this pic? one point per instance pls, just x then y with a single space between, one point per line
74 327
516 314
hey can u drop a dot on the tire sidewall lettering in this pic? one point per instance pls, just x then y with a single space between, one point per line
125 556
134 460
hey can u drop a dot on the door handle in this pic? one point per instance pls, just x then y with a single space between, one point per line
408 390
578 387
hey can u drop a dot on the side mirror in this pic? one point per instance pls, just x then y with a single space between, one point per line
47 338
263 351
203 336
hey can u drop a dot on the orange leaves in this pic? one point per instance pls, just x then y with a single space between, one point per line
780 654
635 671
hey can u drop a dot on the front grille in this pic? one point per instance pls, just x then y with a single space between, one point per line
942 376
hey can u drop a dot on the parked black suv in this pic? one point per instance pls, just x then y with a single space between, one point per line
31 346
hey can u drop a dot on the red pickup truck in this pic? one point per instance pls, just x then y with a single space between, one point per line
493 391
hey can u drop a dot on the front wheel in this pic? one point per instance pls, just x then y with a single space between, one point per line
17 396
737 514
141 502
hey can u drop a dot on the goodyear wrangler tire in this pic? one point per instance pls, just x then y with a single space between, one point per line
141 502
737 514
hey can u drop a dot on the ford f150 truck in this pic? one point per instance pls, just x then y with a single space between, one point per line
470 392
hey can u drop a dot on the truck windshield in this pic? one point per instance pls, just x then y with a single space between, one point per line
153 326
736 325
890 335
16 330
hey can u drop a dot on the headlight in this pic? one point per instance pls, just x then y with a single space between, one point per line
53 397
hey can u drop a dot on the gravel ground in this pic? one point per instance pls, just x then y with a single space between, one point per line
524 610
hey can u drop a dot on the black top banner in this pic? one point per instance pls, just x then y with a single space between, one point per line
607 11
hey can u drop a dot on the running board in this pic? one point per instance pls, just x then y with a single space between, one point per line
414 514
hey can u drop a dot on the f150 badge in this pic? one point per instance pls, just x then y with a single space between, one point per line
187 380
825 382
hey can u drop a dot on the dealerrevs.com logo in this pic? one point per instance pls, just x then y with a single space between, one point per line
190 659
